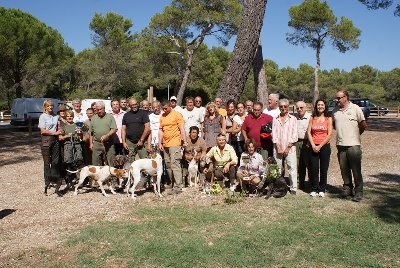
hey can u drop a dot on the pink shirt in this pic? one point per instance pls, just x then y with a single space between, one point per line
118 119
285 133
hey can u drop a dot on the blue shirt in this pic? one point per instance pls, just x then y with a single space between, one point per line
48 122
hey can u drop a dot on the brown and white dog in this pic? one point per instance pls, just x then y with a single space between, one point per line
151 166
207 163
100 174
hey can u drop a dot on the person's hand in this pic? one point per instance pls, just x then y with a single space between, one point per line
139 143
103 138
226 168
148 149
161 147
316 148
185 144
286 152
125 145
91 147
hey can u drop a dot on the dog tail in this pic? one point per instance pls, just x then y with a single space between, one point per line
73 171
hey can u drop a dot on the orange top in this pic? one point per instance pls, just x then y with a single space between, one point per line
319 131
170 124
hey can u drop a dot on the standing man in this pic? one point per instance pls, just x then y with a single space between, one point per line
302 151
192 116
197 104
79 115
284 137
174 105
170 136
349 122
118 114
221 111
135 128
123 105
251 129
102 128
249 106
154 119
146 106
272 109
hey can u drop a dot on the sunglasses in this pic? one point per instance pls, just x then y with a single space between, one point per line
339 98
283 106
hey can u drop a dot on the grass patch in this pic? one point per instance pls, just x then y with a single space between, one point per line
288 232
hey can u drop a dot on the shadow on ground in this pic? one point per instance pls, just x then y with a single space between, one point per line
383 124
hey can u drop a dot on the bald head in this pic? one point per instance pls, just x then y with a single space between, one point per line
301 108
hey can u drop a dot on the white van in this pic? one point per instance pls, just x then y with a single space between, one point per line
23 108
87 103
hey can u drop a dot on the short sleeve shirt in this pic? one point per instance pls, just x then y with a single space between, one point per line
48 122
100 126
346 125
134 122
169 124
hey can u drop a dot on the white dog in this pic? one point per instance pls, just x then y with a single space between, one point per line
151 166
193 171
99 173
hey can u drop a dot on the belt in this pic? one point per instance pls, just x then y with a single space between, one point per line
300 140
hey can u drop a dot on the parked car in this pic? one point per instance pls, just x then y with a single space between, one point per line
362 102
374 109
23 108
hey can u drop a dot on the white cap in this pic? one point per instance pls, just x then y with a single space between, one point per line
173 98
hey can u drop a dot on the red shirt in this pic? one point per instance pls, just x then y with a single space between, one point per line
253 125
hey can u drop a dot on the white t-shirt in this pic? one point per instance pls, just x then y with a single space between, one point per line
192 118
239 122
272 112
178 108
203 111
154 127
80 117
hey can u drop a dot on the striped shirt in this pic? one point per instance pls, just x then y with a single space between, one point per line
285 133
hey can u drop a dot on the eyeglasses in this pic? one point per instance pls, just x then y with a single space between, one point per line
283 106
339 98
300 108
198 101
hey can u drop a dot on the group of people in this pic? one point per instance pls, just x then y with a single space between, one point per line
238 138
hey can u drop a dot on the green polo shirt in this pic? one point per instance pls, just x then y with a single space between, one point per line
100 126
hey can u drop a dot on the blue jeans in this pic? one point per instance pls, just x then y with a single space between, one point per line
350 163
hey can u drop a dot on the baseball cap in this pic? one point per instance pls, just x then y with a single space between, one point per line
173 98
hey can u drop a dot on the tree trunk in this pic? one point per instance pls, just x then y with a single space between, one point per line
316 90
232 84
260 82
185 78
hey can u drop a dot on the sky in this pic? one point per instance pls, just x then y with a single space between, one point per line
378 47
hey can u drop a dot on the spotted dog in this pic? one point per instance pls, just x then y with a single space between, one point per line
151 166
100 174
193 171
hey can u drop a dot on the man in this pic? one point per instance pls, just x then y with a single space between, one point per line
174 105
154 119
79 115
170 136
102 128
197 104
284 137
135 128
195 144
123 105
349 122
93 106
118 115
192 116
251 128
272 109
146 106
249 106
302 151
221 111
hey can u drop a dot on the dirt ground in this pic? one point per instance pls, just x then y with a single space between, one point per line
29 220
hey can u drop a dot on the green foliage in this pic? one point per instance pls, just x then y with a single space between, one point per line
31 54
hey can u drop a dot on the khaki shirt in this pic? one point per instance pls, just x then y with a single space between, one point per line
100 126
228 155
302 125
346 125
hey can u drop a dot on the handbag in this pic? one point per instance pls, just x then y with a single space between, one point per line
266 131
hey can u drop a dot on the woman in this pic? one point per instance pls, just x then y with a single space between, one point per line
72 142
225 160
214 123
48 125
319 133
237 139
61 113
251 165
230 114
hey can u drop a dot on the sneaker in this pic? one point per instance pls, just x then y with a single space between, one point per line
313 194
321 194
232 187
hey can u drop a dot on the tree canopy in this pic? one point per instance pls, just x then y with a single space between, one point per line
30 52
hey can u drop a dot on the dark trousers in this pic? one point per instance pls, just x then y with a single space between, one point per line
350 162
319 168
220 175
238 146
303 162
51 155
